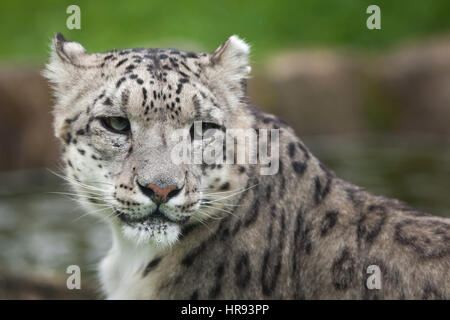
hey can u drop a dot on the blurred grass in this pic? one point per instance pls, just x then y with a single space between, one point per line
27 26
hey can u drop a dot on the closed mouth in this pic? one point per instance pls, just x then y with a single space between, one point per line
151 216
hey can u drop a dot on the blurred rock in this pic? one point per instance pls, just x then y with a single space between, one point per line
326 92
26 134
15 287
417 78
315 91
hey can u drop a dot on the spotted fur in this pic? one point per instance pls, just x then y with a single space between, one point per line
299 234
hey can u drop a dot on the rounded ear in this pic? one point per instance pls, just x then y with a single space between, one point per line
67 60
233 58
67 51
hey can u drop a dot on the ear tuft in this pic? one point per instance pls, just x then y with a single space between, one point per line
67 59
233 56
238 45
71 52
59 36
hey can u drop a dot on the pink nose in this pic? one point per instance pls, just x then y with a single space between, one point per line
159 195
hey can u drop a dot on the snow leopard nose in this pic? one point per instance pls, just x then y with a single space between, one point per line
157 194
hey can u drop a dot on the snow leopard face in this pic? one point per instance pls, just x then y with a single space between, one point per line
117 113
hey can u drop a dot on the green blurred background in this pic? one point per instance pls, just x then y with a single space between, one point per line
269 25
373 105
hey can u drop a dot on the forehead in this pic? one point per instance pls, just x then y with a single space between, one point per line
156 83
154 64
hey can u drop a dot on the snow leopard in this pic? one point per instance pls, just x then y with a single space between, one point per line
223 230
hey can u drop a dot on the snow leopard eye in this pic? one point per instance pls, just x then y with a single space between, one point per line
116 124
199 131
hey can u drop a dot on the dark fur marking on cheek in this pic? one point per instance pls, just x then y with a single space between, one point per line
88 125
151 266
328 222
242 270
70 120
343 271
225 186
67 138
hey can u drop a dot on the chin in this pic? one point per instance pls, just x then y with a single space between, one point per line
155 231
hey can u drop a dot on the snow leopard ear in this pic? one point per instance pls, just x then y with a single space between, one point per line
67 61
67 51
233 58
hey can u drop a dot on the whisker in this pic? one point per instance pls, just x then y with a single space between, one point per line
209 216
89 213
203 223
217 208
223 192
224 204
75 196
232 195
75 182
223 210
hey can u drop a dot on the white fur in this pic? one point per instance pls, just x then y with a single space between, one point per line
233 57
121 270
